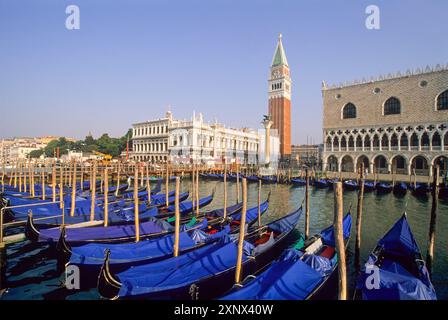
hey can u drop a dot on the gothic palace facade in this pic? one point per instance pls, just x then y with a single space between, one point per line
393 124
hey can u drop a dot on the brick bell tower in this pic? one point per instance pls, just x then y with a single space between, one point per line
280 98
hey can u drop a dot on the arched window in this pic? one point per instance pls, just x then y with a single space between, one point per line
392 106
358 142
343 143
425 140
367 142
351 142
442 101
414 140
436 140
349 111
328 143
404 140
394 141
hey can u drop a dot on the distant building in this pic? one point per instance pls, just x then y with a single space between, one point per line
150 140
195 141
307 155
19 148
397 123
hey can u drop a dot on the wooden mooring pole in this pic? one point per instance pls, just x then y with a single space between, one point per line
225 192
197 193
339 240
73 204
42 178
106 197
148 185
433 222
118 179
239 260
177 216
307 204
359 219
136 213
2 265
237 184
93 192
259 203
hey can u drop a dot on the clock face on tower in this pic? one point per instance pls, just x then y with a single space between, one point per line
276 74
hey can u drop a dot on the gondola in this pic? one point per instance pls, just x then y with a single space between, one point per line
350 185
186 207
369 186
252 178
443 191
331 183
400 188
159 200
211 268
89 258
419 189
153 227
302 272
401 270
384 188
321 183
50 215
269 179
297 182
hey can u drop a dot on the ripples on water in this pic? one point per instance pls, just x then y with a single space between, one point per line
31 267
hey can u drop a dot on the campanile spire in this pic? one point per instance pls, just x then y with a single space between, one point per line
280 98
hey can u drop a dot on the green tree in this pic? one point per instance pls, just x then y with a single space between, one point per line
36 153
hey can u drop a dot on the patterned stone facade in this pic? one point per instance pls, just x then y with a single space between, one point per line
392 124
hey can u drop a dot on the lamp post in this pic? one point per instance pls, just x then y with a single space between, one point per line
267 122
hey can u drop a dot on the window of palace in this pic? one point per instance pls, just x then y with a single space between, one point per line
392 106
442 101
349 111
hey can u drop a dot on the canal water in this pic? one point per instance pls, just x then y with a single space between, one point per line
31 268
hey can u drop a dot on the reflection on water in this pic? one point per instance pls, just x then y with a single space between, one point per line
31 268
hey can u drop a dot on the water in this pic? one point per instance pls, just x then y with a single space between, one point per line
31 269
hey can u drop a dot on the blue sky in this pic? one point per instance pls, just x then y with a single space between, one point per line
131 59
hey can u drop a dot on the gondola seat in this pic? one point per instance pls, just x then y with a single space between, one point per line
327 252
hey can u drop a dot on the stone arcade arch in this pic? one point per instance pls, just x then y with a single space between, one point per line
420 164
332 164
442 162
363 159
380 164
399 165
347 164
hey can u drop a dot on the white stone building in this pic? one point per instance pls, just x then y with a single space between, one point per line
150 140
195 141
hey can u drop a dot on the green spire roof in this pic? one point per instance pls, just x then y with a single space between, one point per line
279 56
